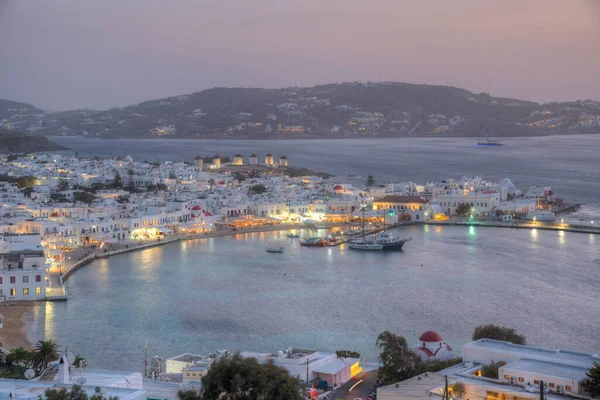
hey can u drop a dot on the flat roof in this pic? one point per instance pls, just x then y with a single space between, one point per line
534 352
23 389
186 357
400 199
417 387
548 368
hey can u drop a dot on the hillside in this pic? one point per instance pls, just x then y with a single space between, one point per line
15 142
386 109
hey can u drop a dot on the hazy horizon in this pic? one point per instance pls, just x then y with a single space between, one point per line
69 54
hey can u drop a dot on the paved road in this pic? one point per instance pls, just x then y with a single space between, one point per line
360 391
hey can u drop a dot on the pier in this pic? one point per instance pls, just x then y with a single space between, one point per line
566 208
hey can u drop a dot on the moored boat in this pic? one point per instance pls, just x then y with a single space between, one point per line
314 242
365 245
293 235
274 249
389 242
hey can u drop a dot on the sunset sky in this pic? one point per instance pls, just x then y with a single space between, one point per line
65 54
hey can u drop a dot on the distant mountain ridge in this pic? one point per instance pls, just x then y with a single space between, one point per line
16 142
386 109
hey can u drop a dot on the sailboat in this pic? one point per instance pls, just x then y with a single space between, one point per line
364 243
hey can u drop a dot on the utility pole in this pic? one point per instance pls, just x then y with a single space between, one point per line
542 390
146 358
446 394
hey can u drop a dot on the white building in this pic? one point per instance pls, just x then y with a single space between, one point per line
308 365
23 273
521 371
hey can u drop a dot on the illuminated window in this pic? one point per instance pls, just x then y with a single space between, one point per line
38 290
13 292
506 376
521 379
569 388
25 291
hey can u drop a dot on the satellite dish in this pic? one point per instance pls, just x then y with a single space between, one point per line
29 374
81 381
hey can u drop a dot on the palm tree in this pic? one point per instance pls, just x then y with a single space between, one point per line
45 351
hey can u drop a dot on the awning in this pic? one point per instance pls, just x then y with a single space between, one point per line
332 368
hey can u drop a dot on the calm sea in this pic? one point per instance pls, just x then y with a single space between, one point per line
228 293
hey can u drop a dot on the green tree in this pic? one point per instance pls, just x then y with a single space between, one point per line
240 178
498 333
592 383
245 378
84 197
79 361
117 182
370 181
399 362
491 370
76 393
347 353
457 389
20 357
44 352
151 188
257 189
463 209
27 191
130 183
172 175
63 185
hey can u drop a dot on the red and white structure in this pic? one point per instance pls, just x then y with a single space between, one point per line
432 347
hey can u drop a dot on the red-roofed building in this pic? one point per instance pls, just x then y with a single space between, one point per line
412 208
432 347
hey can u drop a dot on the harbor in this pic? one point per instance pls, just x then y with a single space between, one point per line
235 280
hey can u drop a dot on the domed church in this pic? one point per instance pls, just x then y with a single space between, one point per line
432 347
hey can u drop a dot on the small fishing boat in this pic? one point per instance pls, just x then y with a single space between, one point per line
314 242
274 249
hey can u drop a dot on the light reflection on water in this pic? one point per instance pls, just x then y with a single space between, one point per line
228 293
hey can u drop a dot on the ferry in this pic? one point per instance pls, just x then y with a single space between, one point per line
543 216
314 242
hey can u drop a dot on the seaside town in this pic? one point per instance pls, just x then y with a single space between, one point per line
60 212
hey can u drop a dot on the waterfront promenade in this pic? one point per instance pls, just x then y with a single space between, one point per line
517 224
